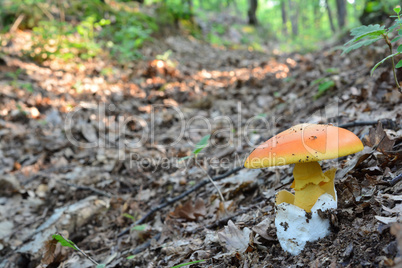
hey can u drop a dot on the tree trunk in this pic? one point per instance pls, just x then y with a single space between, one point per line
284 18
252 9
294 17
317 14
190 9
331 22
341 7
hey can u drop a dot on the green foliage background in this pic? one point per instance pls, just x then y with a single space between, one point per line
71 30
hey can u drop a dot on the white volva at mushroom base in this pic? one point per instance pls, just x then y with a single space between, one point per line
295 227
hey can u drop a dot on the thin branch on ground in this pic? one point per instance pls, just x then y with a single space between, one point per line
177 198
389 123
395 180
82 187
143 246
46 172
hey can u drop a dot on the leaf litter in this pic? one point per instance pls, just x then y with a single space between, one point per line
56 186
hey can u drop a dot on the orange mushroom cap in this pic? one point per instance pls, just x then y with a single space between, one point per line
304 143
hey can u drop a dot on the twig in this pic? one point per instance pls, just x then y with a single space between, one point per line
393 62
81 187
386 122
223 220
211 180
395 180
177 198
143 246
47 172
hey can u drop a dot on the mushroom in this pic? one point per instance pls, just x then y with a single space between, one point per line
297 216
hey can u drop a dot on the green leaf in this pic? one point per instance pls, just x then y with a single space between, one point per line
397 23
360 44
395 39
130 257
317 81
187 263
102 265
140 228
399 49
382 61
332 70
201 144
371 31
64 242
325 86
128 216
185 158
397 10
400 32
399 64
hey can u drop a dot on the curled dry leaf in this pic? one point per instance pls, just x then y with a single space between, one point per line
234 239
190 212
262 229
379 138
356 161
54 252
396 212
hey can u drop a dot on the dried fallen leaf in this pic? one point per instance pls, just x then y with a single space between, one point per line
190 212
54 252
356 161
378 137
234 239
386 220
50 248
263 227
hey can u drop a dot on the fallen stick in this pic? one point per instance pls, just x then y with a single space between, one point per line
387 123
82 187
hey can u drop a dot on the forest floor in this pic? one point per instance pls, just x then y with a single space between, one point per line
90 149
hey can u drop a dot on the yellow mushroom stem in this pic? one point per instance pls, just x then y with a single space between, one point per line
309 184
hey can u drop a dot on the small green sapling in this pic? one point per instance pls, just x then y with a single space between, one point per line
367 35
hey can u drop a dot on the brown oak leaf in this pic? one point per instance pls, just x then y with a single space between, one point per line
189 211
